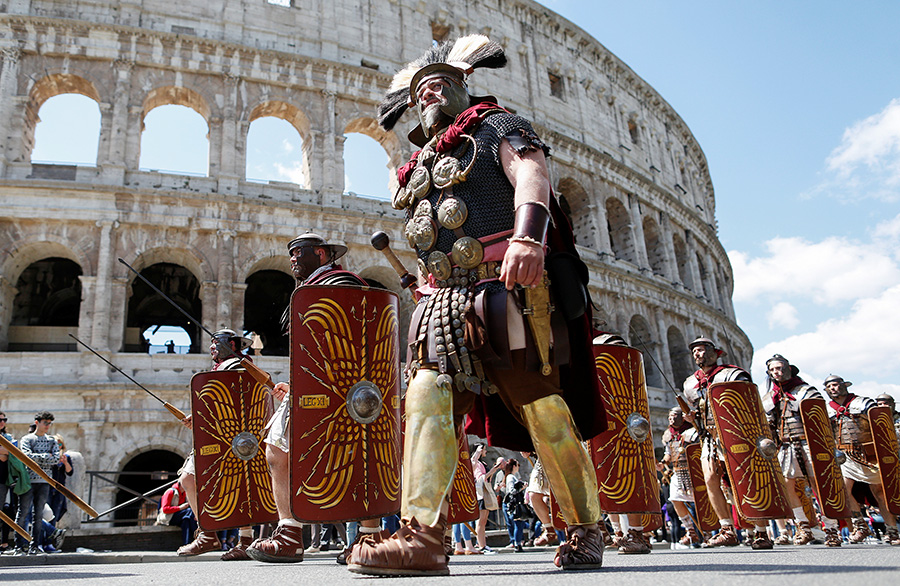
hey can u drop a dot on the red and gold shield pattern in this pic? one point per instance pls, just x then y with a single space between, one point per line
556 516
625 465
463 498
826 472
757 482
706 518
345 404
229 411
885 437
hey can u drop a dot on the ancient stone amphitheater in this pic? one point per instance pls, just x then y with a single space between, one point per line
625 166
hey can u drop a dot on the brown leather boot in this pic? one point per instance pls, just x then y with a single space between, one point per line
203 542
860 530
343 558
414 550
725 537
634 543
583 549
285 546
761 540
239 551
832 537
804 534
548 537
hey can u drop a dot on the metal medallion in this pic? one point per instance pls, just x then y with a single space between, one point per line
424 209
423 269
447 172
423 232
419 182
467 252
439 265
452 213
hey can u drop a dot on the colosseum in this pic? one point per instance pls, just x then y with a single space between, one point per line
625 167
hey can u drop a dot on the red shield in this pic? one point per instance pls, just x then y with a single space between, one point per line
623 454
885 437
556 516
234 488
750 459
826 472
706 519
345 404
463 498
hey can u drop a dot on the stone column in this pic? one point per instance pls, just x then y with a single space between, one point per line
215 146
665 232
637 230
116 127
604 247
209 302
8 293
8 82
233 154
238 302
666 361
692 262
119 294
224 308
102 306
330 165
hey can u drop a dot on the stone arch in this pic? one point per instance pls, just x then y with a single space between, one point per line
294 116
141 473
389 141
620 233
265 260
640 336
656 250
49 86
682 261
679 355
20 257
188 257
580 215
267 296
172 95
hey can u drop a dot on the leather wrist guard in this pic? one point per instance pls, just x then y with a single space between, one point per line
532 219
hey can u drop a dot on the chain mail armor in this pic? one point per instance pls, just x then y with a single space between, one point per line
695 391
851 429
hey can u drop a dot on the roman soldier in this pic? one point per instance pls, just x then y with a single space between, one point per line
853 435
483 339
676 438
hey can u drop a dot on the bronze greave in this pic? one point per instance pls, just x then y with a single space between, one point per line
566 463
429 448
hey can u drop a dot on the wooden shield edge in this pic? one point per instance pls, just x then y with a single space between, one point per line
826 473
885 437
706 519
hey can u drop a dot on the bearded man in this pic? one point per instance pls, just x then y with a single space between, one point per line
478 205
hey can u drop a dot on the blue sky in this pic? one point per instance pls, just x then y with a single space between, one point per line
796 105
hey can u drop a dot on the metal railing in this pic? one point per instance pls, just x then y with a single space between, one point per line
148 507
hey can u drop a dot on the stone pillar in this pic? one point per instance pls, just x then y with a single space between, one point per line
238 302
102 307
116 127
692 262
312 160
233 156
330 165
224 308
119 294
209 302
8 83
216 146
8 293
665 232
665 361
87 310
637 229
604 246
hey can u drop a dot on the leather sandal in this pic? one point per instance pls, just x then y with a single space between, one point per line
414 550
203 542
583 549
285 546
239 551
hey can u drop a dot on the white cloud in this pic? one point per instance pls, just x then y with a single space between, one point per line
292 173
287 146
867 162
783 316
827 272
863 345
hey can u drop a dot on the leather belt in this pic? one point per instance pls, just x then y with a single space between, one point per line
484 271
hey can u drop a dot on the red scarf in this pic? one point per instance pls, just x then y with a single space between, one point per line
844 409
464 124
704 379
675 433
779 391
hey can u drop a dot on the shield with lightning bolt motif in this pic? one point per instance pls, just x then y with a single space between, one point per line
750 452
623 454
345 403
826 472
229 410
463 498
884 435
706 517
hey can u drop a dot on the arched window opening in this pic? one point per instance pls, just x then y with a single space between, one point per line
620 236
175 140
142 474
641 337
579 212
681 259
679 356
274 152
68 132
46 307
265 300
162 339
147 309
366 169
656 252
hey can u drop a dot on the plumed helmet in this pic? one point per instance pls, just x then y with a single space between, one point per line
316 241
241 342
455 60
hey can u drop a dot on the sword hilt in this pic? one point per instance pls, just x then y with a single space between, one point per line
381 241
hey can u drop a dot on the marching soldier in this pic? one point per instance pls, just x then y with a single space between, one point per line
706 356
782 405
313 262
853 435
478 205
205 541
888 401
680 434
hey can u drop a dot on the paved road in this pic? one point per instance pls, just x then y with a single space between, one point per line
861 565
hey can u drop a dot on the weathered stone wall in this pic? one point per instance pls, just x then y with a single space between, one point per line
629 169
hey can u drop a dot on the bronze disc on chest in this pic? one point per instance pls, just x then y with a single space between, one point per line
467 252
439 265
419 182
452 213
